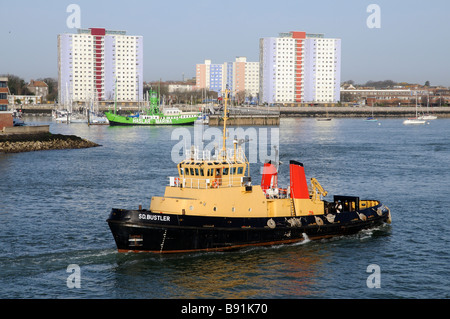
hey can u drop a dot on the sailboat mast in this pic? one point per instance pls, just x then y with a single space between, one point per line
416 104
115 98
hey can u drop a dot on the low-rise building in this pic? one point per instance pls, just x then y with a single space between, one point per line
363 95
180 87
6 117
4 92
24 99
39 88
394 96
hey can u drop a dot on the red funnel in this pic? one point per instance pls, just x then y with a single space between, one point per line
299 187
269 176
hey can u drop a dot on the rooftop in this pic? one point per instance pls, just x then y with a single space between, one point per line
100 31
34 83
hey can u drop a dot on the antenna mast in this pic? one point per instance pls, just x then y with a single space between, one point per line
224 149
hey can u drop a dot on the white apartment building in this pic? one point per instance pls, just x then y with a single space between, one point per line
100 64
252 79
297 67
322 70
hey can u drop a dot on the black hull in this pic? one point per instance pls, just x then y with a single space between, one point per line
144 231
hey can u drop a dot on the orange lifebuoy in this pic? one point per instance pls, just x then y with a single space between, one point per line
215 183
177 181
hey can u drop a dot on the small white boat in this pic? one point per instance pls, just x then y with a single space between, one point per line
77 118
97 119
427 117
414 121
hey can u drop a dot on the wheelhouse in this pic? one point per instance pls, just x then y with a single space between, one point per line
206 171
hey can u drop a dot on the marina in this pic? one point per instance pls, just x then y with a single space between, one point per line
284 111
55 204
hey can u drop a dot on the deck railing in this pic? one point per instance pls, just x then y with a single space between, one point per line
231 155
211 182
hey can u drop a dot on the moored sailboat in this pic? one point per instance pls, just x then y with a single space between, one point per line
414 120
326 118
371 118
428 116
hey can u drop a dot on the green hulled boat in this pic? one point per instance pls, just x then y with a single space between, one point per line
153 115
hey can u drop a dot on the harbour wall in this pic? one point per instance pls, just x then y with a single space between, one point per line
250 119
38 129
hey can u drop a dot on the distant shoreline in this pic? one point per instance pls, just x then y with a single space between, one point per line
362 112
287 111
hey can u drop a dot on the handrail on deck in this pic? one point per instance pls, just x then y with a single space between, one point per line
212 182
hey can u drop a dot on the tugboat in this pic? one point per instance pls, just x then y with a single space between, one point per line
212 205
153 115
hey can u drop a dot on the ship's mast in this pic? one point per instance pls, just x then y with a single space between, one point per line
115 97
224 149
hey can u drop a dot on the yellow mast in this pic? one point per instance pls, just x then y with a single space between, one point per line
224 149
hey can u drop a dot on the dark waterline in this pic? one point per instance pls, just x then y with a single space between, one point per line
53 206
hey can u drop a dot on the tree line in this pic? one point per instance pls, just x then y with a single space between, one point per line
180 97
381 84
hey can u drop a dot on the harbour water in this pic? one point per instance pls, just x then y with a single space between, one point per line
54 206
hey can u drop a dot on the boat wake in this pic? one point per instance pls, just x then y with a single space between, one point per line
304 241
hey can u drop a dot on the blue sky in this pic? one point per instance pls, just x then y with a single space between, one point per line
412 44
